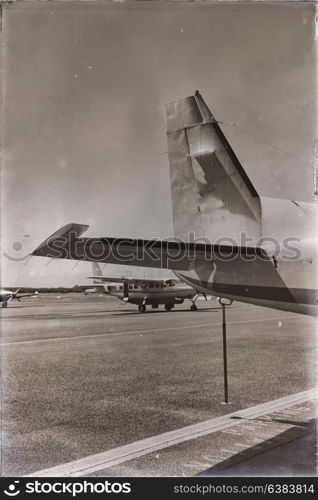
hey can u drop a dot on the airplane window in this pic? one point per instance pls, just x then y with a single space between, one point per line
136 287
151 285
120 288
130 287
156 285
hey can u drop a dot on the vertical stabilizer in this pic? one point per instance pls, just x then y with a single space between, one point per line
96 270
212 196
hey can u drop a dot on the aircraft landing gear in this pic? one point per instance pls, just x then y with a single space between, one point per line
168 307
193 307
142 308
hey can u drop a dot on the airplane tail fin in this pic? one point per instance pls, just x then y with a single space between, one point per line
212 196
96 270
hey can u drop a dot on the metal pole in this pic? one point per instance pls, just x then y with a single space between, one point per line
226 392
224 303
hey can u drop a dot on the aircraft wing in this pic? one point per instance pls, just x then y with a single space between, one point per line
132 281
34 294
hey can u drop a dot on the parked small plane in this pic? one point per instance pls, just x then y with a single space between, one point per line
220 222
143 292
7 295
89 291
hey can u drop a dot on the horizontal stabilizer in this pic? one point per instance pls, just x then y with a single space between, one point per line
68 233
66 243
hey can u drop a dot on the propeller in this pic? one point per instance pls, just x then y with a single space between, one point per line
14 295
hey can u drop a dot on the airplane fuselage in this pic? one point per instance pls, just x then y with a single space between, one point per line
152 295
288 281
5 295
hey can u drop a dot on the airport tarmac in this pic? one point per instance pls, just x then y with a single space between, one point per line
83 378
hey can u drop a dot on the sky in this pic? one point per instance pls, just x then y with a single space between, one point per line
83 126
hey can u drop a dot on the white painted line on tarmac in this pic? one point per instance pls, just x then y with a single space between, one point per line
115 456
151 330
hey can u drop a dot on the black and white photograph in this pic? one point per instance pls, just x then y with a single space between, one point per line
158 245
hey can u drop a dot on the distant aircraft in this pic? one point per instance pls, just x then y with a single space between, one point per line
7 295
223 226
143 292
88 291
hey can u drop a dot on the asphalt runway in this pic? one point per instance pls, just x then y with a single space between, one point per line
82 375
